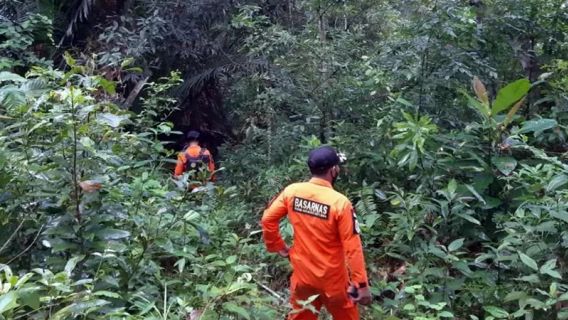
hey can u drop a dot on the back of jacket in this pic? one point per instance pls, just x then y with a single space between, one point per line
326 234
193 151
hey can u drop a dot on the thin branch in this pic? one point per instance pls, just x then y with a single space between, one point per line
272 292
135 93
74 168
12 236
28 247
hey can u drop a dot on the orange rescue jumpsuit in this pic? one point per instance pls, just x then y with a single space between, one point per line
327 255
193 151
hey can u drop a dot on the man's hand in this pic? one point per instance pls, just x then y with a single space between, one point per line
284 253
361 296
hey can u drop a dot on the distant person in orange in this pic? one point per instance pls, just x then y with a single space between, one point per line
194 159
327 256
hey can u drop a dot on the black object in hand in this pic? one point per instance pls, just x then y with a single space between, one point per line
353 292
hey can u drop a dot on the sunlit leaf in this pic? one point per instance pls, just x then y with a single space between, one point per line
505 165
496 312
8 301
510 94
9 76
110 119
528 261
557 182
70 265
112 234
537 126
456 244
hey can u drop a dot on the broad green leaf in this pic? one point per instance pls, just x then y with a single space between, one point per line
9 76
548 269
107 294
469 218
557 182
562 315
404 102
548 265
510 94
463 267
8 301
112 234
110 119
475 193
31 299
496 312
370 219
528 261
108 86
70 265
533 278
515 295
435 250
233 308
505 165
23 279
127 62
455 245
452 186
446 314
409 307
69 59
537 126
553 273
563 297
559 214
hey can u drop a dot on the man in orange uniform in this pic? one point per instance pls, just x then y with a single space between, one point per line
327 256
194 157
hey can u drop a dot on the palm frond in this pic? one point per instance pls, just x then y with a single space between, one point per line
80 14
195 82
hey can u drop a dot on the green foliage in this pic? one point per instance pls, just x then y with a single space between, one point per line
83 194
463 201
18 39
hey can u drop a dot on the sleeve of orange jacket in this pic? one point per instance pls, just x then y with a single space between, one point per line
351 241
275 211
179 165
211 165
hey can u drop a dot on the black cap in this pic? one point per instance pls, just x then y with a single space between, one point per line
193 134
323 158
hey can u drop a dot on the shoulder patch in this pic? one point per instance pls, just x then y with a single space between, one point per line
312 208
356 227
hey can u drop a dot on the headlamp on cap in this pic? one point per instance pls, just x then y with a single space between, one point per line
342 157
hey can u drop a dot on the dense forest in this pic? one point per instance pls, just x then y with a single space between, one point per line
453 116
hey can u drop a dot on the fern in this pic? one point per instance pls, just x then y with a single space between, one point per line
11 97
366 204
